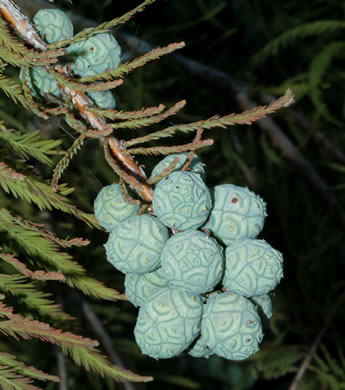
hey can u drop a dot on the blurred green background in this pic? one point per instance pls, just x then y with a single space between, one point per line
295 161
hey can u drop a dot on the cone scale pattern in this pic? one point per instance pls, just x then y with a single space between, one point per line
252 267
237 213
193 262
41 83
199 348
136 245
53 25
111 209
168 323
139 288
182 201
95 55
231 326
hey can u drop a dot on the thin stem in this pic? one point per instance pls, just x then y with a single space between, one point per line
143 189
105 338
21 24
306 362
61 363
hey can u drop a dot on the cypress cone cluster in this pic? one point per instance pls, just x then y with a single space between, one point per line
89 57
194 266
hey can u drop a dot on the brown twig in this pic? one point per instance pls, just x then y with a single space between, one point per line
21 24
142 188
318 136
280 140
165 172
191 154
224 82
127 198
12 14
306 362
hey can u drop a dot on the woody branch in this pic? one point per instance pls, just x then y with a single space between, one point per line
21 24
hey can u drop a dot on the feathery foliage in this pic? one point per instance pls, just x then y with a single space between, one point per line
39 193
12 90
103 26
31 372
128 67
29 145
24 242
312 29
319 62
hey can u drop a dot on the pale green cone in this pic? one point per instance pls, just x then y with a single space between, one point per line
195 166
252 267
103 99
53 25
237 213
263 304
200 349
136 245
41 83
167 323
182 201
95 55
192 261
231 326
138 288
111 209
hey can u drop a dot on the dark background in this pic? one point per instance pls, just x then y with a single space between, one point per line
301 176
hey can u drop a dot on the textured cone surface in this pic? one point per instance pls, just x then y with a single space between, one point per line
192 261
200 349
138 288
195 166
167 323
136 245
40 83
182 201
252 267
231 327
35 93
237 213
264 306
94 55
53 25
111 209
103 99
